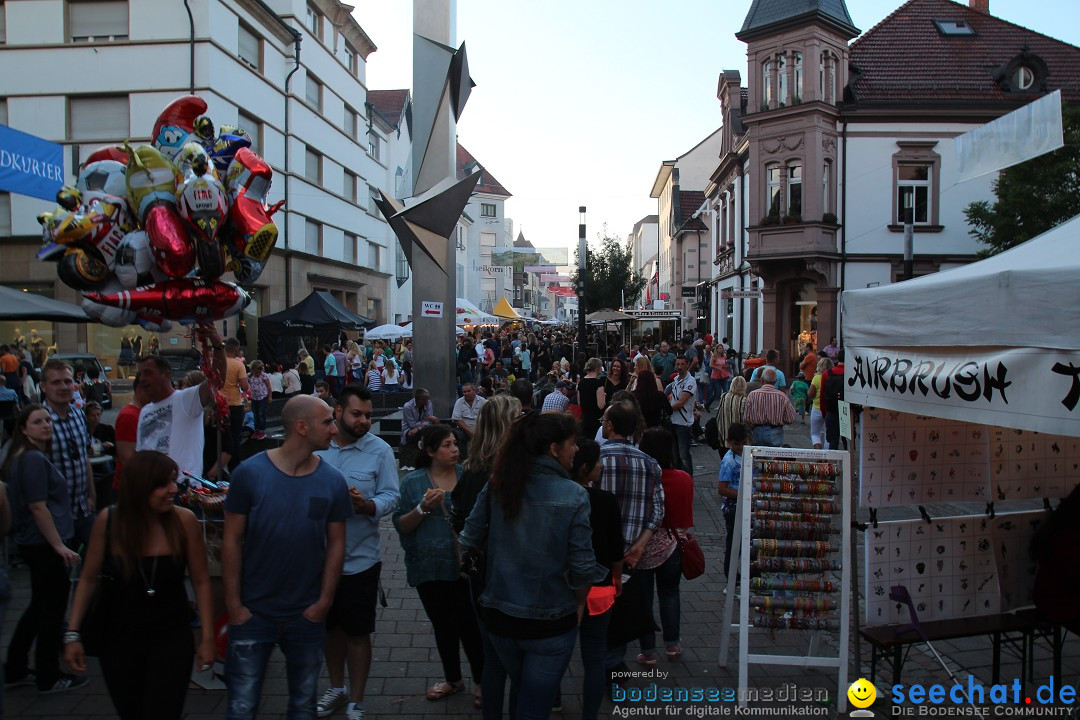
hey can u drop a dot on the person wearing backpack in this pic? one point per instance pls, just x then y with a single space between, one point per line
832 392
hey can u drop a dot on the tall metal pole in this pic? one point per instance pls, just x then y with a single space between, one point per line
434 159
582 277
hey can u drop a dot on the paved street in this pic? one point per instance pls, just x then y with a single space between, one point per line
406 661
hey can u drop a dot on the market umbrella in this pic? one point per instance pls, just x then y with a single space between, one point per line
603 316
389 332
18 305
408 330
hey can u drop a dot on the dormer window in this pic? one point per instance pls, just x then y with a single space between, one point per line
954 28
1023 78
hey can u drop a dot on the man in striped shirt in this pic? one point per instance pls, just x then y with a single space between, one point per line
768 410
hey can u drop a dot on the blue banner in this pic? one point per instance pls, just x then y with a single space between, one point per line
29 165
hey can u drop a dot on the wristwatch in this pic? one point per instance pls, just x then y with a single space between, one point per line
420 509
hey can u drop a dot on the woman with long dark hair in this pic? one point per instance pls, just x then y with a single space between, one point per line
617 379
540 561
654 403
431 561
146 543
41 515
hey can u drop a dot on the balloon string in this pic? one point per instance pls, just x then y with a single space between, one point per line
206 364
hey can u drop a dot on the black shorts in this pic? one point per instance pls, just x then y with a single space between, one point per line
354 602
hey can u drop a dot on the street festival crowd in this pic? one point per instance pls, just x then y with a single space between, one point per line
546 513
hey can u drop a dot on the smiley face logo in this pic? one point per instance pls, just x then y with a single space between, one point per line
862 693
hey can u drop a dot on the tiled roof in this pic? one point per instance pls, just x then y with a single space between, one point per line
905 59
389 103
689 202
488 184
770 14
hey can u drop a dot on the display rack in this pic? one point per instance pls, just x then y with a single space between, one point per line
790 548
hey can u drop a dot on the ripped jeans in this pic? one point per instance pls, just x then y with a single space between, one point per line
250 644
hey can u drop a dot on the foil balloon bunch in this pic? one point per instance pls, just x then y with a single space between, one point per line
147 233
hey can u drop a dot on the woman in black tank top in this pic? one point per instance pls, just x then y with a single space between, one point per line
140 548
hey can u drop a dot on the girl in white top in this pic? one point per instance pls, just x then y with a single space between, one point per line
290 382
276 381
390 378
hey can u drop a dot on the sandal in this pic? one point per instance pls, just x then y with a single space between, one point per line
647 659
438 691
478 700
673 652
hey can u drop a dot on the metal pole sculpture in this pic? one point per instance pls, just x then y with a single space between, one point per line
441 86
583 274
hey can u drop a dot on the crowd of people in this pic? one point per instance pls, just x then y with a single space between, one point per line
581 465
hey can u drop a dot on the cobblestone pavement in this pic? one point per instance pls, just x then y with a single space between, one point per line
406 661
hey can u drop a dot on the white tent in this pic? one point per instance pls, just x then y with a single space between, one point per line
407 327
470 314
994 342
388 332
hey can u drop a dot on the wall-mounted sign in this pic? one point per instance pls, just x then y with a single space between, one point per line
431 309
740 294
689 292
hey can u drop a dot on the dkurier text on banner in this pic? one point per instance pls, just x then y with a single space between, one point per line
29 165
1031 388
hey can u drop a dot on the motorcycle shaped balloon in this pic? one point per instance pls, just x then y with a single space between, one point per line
204 206
251 233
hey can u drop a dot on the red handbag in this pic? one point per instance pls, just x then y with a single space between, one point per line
691 557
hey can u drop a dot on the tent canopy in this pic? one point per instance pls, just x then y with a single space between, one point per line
502 309
18 305
603 316
994 342
1023 297
318 313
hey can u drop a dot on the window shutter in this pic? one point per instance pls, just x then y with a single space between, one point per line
99 20
99 118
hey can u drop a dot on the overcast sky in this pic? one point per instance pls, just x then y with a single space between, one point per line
578 102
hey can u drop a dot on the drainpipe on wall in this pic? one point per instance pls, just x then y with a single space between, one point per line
297 37
843 234
191 47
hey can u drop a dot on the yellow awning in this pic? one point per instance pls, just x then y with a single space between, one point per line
502 309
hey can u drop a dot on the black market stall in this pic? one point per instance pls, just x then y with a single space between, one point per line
318 318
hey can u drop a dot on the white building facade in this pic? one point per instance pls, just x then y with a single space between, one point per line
290 72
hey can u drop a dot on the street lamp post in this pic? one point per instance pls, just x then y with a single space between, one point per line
582 275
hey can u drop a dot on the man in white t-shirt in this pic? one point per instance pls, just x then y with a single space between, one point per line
172 422
681 392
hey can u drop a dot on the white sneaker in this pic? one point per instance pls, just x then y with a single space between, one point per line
354 714
330 701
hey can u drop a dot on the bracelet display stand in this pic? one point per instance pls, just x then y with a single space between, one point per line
790 549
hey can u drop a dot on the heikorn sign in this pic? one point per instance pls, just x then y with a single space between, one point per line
1032 388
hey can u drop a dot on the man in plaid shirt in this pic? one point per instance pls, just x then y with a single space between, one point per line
70 446
634 478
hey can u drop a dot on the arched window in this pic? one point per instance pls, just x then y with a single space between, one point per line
794 189
796 77
781 79
766 84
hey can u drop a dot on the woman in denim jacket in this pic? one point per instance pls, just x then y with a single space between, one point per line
431 563
540 561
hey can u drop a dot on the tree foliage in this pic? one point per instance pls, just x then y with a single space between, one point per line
611 274
1031 197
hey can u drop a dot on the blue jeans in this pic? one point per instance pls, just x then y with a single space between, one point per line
593 647
682 443
258 410
535 668
769 436
666 578
716 389
250 644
